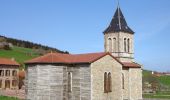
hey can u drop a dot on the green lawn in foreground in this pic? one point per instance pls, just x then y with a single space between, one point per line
20 54
7 98
158 95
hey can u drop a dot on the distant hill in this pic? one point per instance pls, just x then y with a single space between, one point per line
28 44
161 82
20 54
21 50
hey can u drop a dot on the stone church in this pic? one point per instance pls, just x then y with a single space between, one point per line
109 75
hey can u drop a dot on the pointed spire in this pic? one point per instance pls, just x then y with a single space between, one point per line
119 15
118 23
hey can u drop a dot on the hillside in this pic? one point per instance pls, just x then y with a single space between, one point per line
28 44
163 81
20 54
22 50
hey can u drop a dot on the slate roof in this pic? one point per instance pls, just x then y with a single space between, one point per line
59 58
118 23
5 61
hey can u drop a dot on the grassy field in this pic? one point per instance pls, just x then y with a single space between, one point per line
164 80
7 98
161 95
20 54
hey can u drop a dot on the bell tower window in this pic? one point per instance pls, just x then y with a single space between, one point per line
114 44
110 45
125 49
128 45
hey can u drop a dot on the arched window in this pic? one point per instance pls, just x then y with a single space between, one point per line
128 44
123 81
109 82
69 81
110 45
125 44
105 82
114 44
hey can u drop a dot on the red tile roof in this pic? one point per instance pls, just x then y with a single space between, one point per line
75 59
5 61
67 58
131 65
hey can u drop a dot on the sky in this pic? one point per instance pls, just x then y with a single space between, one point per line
77 25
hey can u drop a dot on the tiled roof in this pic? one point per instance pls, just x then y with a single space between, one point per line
52 58
131 65
5 61
118 23
67 58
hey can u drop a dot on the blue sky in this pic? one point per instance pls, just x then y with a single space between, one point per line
77 25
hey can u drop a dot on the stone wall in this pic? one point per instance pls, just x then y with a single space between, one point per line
98 68
81 83
44 82
119 51
135 83
50 82
31 83
126 83
85 83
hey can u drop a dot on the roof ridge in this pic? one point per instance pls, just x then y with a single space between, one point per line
89 53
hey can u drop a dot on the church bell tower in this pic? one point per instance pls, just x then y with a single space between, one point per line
119 38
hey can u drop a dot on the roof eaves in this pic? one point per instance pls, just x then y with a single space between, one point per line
17 65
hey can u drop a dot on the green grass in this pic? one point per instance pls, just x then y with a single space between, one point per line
161 95
20 54
8 98
146 73
164 80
